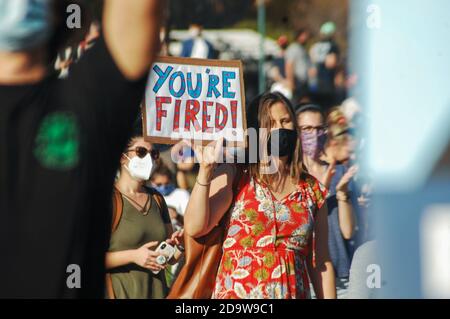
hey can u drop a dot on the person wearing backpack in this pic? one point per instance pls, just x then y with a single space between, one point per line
140 223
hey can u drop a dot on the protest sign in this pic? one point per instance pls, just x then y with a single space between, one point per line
195 99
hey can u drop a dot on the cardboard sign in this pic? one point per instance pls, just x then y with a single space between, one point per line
194 99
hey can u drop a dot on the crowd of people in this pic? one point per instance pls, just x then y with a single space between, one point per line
291 234
310 72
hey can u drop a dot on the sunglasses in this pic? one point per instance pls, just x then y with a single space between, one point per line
142 152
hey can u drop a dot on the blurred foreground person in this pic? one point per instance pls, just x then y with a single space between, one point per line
141 222
61 140
272 216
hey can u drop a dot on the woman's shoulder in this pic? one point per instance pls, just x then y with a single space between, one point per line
308 180
313 187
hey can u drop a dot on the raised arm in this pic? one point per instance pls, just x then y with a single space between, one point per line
211 196
131 31
345 205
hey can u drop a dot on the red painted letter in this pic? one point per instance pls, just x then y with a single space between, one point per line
206 117
176 116
192 109
234 113
160 113
221 109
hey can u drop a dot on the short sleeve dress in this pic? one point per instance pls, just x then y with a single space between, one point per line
267 242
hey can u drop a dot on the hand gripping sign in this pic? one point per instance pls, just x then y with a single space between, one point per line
194 99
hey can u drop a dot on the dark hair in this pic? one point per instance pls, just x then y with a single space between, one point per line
136 132
162 170
264 103
310 107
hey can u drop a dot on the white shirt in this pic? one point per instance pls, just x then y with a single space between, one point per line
200 49
178 199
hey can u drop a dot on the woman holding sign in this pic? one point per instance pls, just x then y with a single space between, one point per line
276 234
277 227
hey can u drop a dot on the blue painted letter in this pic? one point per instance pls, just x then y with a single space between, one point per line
162 77
226 77
182 87
198 88
212 86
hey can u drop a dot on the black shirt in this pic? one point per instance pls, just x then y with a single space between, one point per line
60 145
325 76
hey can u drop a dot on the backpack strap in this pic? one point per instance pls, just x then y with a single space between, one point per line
159 199
117 209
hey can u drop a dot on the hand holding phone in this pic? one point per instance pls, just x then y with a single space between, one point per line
165 252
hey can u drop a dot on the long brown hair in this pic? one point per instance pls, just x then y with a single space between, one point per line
266 101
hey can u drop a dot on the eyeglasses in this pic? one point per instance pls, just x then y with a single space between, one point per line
142 152
310 129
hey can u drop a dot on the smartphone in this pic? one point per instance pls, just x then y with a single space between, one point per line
165 250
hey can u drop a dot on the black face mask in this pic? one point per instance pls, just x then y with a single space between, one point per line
287 140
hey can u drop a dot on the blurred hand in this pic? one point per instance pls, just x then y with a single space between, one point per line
346 178
177 238
329 173
208 156
363 201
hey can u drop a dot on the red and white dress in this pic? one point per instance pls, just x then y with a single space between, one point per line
267 242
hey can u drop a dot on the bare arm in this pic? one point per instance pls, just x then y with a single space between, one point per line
208 204
144 256
345 208
320 267
346 218
119 258
131 32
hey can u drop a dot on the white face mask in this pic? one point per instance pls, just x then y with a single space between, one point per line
140 168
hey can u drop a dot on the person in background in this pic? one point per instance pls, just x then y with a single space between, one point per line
61 140
325 61
337 178
186 168
176 218
277 73
197 46
297 65
268 252
144 223
162 180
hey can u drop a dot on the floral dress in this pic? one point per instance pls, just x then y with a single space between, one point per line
268 241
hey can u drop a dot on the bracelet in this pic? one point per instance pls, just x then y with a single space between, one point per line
204 185
342 196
